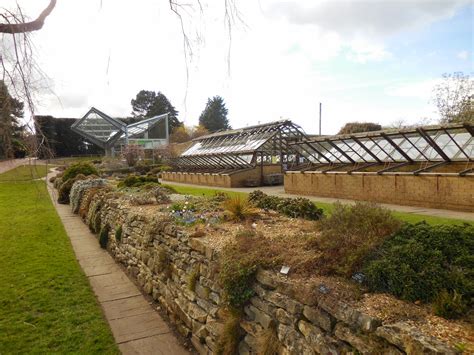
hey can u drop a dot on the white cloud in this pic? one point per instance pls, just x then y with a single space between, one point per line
280 64
463 55
365 17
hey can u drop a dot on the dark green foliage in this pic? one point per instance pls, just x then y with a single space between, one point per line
350 234
291 207
149 104
238 264
79 168
214 116
61 140
104 236
136 181
422 260
11 131
449 304
65 189
118 234
359 127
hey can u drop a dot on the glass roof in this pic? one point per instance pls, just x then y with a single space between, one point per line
104 130
434 144
238 148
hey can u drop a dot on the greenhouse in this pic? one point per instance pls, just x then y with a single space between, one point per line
112 134
247 147
446 149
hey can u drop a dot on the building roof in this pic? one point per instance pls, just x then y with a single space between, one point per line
236 148
447 143
105 131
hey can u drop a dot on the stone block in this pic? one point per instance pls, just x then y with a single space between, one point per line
411 340
282 301
197 313
260 317
319 317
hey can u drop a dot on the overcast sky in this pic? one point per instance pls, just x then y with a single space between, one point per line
368 60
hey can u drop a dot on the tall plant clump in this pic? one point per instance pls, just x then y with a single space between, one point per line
350 234
238 209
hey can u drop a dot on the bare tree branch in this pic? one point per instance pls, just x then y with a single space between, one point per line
25 27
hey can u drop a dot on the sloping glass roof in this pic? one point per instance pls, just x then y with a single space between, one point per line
105 131
424 144
238 148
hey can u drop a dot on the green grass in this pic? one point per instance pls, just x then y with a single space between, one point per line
46 303
25 173
326 207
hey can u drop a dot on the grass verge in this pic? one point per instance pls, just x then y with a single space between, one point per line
326 207
46 303
25 173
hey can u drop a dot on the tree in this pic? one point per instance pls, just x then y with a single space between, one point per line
214 116
148 104
180 135
359 127
199 131
454 97
11 132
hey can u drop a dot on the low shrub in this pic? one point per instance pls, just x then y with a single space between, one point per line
350 234
291 207
104 236
79 188
449 304
239 209
421 261
73 170
65 189
118 234
136 181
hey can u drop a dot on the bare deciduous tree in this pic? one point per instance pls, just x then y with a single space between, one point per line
454 97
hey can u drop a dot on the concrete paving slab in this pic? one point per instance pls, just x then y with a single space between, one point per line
148 346
136 326
126 307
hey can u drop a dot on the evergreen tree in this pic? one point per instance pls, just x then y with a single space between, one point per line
149 103
214 116
359 127
11 131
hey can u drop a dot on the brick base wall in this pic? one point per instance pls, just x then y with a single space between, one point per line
234 179
445 192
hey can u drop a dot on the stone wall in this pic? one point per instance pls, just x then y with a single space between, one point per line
445 192
231 179
179 272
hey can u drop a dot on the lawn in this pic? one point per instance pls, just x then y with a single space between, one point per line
25 173
326 207
46 303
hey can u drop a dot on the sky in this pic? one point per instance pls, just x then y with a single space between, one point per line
364 60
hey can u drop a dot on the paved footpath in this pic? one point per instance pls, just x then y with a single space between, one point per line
136 326
280 191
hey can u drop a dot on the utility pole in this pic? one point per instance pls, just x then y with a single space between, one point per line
320 111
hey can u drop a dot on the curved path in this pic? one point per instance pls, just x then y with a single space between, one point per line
136 326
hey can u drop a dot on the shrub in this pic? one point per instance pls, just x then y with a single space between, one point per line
239 209
350 234
79 168
291 207
65 189
136 181
238 264
79 189
421 261
449 304
104 236
118 234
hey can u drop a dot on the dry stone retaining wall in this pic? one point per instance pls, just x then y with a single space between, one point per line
165 262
